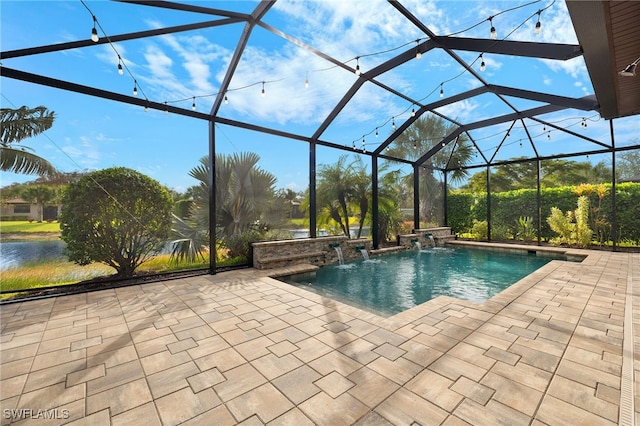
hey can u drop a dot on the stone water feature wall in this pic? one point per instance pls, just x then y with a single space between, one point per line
440 236
322 250
315 251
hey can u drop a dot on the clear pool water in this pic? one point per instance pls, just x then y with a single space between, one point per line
394 283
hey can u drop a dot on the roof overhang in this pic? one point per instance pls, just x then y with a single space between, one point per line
609 33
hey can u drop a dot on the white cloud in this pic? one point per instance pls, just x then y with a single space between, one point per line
462 111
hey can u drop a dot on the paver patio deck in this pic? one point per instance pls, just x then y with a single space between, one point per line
556 348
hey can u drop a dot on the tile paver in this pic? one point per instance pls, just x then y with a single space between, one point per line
238 347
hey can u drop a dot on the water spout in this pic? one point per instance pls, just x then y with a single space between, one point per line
417 245
338 250
365 255
431 240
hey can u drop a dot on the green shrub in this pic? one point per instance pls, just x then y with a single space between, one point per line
583 233
526 228
560 224
507 207
480 230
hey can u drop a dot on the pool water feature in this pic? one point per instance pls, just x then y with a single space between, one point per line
393 283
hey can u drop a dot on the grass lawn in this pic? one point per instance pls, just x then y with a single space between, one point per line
23 226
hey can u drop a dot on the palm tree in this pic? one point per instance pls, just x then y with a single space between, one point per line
334 190
361 191
420 137
244 196
40 195
19 124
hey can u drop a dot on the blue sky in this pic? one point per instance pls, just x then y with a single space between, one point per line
92 133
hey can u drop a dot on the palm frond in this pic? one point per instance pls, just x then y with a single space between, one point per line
24 122
19 161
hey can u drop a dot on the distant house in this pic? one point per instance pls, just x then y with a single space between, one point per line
19 209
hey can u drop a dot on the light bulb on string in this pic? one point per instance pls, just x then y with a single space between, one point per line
415 145
441 90
538 25
393 123
353 144
413 111
549 135
135 88
376 132
263 89
193 105
358 72
166 110
493 33
418 53
363 145
120 71
226 100
584 123
306 81
483 66
94 31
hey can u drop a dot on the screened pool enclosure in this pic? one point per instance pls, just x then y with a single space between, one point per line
283 120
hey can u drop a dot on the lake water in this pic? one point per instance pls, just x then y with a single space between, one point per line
15 253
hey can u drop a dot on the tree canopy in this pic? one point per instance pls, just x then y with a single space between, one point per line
115 216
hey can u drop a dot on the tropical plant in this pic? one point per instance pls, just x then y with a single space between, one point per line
480 229
597 217
115 216
17 125
526 230
40 195
244 205
561 224
583 234
423 135
572 227
334 191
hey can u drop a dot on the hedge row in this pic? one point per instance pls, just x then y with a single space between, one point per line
507 207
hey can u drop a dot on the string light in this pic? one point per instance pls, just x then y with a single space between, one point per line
94 31
363 145
166 110
354 145
376 132
441 90
584 123
538 25
262 88
120 70
549 135
483 66
393 123
226 100
193 105
415 145
413 111
494 33
418 53
135 88
358 72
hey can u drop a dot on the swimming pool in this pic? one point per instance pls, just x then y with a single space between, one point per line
393 283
